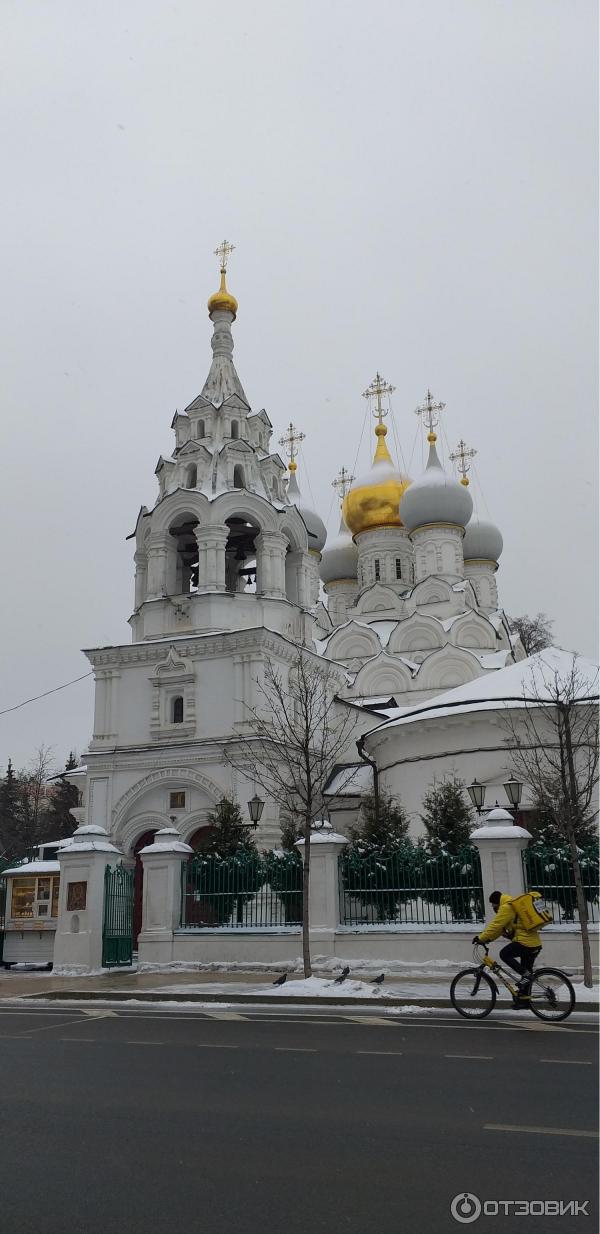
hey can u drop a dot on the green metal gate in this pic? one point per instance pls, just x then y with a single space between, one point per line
117 924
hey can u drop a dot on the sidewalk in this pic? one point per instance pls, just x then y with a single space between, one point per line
127 985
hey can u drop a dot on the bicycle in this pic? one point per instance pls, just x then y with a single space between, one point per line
474 991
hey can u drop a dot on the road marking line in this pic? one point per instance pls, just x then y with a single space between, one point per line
368 1019
214 1045
488 1057
46 1027
593 1135
570 1062
144 1043
225 1015
387 1053
293 1049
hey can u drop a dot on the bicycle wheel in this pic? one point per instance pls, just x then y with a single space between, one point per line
473 994
552 995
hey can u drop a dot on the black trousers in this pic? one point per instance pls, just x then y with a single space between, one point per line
520 958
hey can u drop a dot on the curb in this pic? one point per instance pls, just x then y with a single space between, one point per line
149 996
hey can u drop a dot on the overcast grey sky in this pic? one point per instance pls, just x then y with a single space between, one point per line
410 186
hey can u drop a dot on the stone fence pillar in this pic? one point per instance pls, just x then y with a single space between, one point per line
324 897
78 941
161 900
500 846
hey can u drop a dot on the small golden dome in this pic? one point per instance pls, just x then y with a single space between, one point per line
374 500
222 299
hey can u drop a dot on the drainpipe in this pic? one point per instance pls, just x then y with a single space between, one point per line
373 766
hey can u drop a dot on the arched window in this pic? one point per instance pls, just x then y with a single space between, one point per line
398 567
238 476
177 710
235 430
377 570
201 429
192 476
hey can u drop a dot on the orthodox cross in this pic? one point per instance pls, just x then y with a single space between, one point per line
222 252
289 441
377 388
342 482
460 456
429 411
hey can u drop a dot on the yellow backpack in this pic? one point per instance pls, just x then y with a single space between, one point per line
531 915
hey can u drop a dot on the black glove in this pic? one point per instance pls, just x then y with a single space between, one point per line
477 939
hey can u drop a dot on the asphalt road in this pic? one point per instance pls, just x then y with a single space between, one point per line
223 1122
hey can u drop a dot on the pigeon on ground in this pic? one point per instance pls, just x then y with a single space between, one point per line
378 980
281 980
342 976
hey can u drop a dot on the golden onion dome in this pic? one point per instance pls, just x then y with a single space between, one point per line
374 499
222 299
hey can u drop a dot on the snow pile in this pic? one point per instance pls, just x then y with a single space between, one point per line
325 989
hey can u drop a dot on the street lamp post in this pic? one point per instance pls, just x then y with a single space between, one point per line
255 809
514 791
476 792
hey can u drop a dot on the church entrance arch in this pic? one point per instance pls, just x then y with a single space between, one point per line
138 881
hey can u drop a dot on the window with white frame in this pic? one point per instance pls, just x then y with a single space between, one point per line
33 897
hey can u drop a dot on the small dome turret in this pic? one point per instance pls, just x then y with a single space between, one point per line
340 558
483 540
435 497
317 531
223 299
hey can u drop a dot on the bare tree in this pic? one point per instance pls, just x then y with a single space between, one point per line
535 632
299 730
554 748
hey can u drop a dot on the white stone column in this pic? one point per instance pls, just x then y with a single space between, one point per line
271 549
324 896
212 542
500 846
141 577
157 565
161 904
78 942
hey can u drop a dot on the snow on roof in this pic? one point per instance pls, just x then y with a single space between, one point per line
350 781
530 679
383 630
34 867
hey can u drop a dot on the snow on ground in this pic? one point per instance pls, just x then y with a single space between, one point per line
312 987
584 995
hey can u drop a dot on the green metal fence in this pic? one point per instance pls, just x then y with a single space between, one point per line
117 924
550 871
243 891
410 885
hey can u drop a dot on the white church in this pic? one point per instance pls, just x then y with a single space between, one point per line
233 570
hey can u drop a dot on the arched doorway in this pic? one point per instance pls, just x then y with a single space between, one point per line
138 881
199 840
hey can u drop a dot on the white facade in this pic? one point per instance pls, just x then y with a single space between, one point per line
226 580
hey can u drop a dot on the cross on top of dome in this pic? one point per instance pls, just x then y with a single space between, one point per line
430 412
289 441
222 252
460 456
342 482
376 390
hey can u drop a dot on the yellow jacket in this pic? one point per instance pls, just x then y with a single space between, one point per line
507 919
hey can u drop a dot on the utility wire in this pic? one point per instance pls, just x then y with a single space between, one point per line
45 694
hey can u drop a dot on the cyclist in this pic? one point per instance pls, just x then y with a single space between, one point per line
523 948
